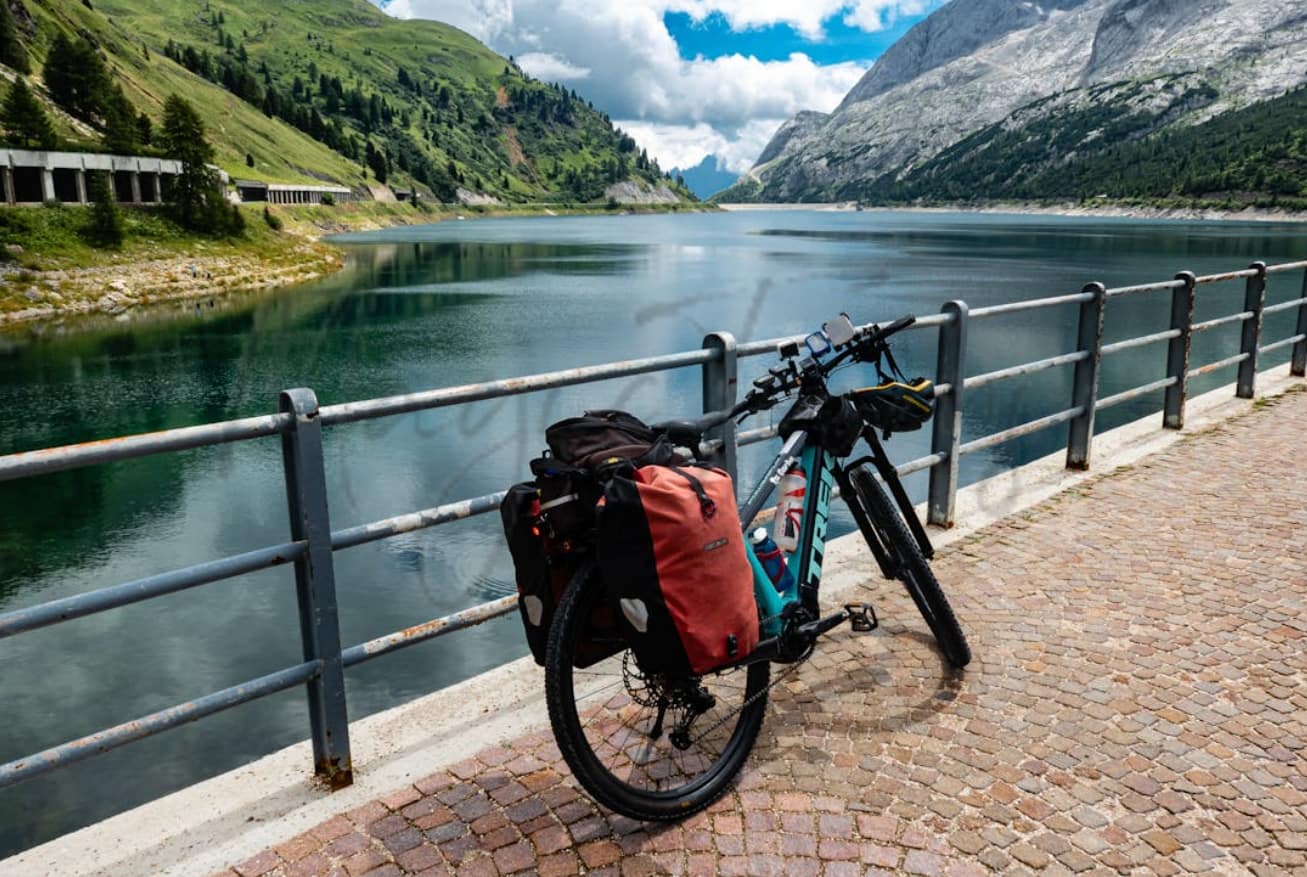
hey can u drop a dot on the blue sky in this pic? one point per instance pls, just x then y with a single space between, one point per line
689 78
713 37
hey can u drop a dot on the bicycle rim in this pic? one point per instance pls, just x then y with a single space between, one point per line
604 716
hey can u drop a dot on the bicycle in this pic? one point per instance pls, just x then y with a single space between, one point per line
611 720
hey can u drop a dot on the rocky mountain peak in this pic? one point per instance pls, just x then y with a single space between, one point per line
976 63
953 32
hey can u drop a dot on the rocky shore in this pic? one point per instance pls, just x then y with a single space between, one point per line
115 288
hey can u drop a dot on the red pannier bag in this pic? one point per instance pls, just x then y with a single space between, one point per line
672 555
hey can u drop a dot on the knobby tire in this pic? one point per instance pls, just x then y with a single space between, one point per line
914 572
569 725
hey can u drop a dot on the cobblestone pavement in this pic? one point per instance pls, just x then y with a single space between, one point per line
1136 706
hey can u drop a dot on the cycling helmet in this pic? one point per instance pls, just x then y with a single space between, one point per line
897 406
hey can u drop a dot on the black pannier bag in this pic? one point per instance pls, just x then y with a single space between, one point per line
597 436
543 567
549 522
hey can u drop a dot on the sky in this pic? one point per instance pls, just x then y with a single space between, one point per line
689 78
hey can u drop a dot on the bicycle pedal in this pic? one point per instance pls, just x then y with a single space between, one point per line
862 617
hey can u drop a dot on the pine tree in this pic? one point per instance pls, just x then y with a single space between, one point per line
76 77
196 198
121 134
24 119
12 53
106 227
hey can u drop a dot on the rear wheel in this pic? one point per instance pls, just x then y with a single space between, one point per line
914 572
645 745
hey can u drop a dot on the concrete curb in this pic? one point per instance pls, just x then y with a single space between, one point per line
208 826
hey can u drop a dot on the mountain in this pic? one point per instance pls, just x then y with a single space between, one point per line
336 90
705 178
986 91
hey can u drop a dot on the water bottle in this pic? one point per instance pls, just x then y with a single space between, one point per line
789 511
773 560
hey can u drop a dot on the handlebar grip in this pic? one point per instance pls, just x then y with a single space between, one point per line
898 325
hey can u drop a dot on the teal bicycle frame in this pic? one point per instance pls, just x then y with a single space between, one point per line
805 562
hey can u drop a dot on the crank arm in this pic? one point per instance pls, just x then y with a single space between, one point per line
814 629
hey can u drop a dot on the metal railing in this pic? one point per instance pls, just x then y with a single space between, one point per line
300 420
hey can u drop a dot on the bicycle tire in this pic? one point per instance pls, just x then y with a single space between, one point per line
915 572
569 719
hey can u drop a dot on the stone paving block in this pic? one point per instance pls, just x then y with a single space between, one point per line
1135 705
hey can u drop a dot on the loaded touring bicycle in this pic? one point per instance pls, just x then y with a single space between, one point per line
656 623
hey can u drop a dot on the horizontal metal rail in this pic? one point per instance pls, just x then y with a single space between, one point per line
1221 321
921 464
1229 275
1280 345
300 421
1028 368
400 639
1119 398
1018 307
1218 365
146 726
22 465
1017 432
1123 291
1286 266
432 517
1141 341
80 605
761 434
1285 306
370 409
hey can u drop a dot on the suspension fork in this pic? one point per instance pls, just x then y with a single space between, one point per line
890 476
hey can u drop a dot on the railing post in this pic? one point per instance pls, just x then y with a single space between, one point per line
947 436
720 384
1084 391
315 585
1254 299
1177 354
1298 364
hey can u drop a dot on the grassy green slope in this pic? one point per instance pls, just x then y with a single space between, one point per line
282 153
491 141
466 117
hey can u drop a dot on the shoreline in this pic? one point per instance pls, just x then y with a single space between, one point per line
1118 211
118 287
122 286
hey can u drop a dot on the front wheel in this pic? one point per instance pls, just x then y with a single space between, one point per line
914 572
645 745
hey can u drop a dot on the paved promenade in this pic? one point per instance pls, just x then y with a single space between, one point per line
1137 705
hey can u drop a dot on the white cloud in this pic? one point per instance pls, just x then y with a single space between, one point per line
686 145
551 68
621 57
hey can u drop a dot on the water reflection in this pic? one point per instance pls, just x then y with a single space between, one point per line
443 305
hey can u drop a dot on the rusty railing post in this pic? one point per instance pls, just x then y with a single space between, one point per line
1177 354
720 385
315 585
1298 364
1084 393
951 367
1254 299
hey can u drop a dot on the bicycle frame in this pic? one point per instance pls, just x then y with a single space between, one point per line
824 473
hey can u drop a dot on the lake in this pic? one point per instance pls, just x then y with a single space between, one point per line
453 303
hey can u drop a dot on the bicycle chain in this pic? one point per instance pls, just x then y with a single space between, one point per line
791 668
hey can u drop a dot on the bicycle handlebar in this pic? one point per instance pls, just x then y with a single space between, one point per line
866 346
